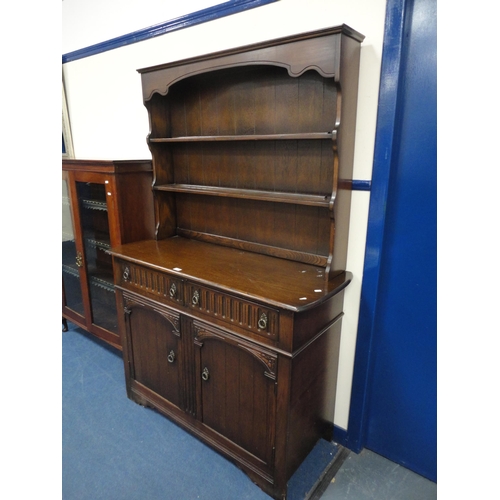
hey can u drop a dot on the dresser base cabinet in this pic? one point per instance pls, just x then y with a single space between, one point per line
262 394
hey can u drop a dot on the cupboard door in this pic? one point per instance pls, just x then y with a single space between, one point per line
71 258
153 339
237 382
93 209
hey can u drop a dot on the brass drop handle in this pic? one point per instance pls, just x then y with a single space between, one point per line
262 323
195 299
79 259
205 375
173 290
171 357
126 274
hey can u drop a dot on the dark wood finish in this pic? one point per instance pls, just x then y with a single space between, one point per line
154 334
237 390
244 282
283 283
265 135
126 215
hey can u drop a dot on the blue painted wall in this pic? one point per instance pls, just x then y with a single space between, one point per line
393 408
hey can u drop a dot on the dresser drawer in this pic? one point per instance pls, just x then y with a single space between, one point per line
149 282
258 319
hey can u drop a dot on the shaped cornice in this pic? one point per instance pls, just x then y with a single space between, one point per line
318 50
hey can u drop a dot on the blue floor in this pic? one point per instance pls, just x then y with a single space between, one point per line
114 449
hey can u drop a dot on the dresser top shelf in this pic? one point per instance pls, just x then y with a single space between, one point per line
248 137
279 282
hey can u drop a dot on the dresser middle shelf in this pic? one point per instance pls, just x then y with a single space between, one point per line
247 137
311 200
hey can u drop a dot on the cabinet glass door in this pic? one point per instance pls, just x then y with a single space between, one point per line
71 260
96 239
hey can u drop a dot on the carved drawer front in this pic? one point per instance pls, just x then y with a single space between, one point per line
260 320
151 282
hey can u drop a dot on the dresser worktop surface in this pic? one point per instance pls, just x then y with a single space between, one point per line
283 283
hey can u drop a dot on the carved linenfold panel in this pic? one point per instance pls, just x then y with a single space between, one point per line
267 358
148 280
151 281
234 310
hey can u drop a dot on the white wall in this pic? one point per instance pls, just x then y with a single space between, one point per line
109 121
87 22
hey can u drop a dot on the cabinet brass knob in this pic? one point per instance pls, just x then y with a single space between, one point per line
173 290
205 375
79 259
171 357
195 298
262 323
126 274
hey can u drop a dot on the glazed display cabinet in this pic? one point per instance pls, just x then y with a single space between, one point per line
104 203
231 315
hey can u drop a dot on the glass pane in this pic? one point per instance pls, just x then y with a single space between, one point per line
95 230
71 276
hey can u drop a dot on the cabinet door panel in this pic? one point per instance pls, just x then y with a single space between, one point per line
94 220
72 286
154 343
237 390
